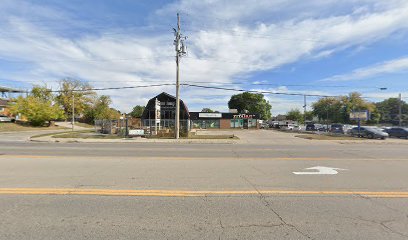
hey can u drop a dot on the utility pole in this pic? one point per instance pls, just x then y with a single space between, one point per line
180 51
400 109
304 110
73 110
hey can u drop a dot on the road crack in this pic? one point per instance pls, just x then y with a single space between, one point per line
268 205
379 223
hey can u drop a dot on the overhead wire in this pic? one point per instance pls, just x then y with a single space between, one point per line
190 85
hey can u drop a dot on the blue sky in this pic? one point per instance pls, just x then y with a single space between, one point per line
312 47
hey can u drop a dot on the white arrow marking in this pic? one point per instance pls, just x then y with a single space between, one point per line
321 171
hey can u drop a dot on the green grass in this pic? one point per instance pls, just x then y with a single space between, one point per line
60 133
14 127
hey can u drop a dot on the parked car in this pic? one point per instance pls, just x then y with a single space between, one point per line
264 125
397 132
316 127
368 132
292 127
4 118
311 127
347 128
337 128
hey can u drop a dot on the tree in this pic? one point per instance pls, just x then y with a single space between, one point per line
309 115
329 110
337 110
100 110
252 102
38 107
388 110
80 91
354 102
207 110
295 115
137 111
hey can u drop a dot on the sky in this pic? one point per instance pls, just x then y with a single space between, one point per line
322 47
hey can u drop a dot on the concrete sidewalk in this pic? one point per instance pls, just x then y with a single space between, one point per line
68 125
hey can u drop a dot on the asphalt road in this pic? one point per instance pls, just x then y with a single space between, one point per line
204 191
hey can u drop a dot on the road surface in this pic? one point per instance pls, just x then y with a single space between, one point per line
204 191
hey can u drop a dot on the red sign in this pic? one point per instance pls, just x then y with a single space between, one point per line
244 116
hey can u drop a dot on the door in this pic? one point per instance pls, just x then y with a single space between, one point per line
245 123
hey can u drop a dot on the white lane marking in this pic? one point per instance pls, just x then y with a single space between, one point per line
321 171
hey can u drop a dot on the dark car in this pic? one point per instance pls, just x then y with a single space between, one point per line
311 127
337 128
397 132
368 132
316 127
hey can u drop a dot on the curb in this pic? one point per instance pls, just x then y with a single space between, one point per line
49 139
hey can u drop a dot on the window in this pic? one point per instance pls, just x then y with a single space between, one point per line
206 124
251 123
237 123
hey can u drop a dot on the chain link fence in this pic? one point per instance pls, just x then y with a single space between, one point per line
135 127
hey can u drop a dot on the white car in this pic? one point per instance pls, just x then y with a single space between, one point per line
4 118
292 127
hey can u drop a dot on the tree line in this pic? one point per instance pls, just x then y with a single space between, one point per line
41 105
338 109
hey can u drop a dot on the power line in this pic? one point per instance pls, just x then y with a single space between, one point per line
256 91
87 60
189 85
252 35
205 87
108 88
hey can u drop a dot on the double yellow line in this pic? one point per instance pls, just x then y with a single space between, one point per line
178 193
167 158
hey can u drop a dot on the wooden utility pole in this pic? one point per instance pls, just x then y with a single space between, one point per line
181 50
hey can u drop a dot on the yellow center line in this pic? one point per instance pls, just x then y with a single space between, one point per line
181 193
167 158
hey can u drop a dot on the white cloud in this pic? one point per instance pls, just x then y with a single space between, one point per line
388 67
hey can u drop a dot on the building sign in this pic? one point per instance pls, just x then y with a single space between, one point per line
359 115
157 111
210 115
136 132
244 116
156 116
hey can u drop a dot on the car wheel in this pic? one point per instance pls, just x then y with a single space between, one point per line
370 136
